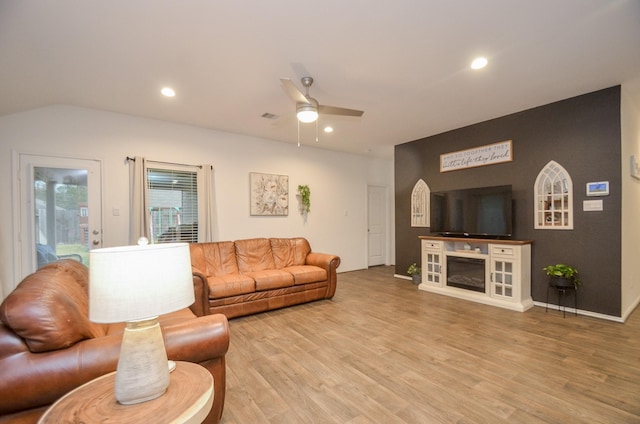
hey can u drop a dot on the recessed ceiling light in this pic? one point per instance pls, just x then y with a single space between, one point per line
168 92
479 63
328 129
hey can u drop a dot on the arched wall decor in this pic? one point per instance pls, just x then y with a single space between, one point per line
553 203
420 204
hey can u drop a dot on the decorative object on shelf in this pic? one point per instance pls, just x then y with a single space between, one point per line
136 284
305 197
415 272
269 194
562 275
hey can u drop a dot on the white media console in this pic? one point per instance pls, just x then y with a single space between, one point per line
493 272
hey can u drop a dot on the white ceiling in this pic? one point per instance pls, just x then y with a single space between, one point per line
404 62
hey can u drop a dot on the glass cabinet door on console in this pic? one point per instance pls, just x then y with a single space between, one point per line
432 262
503 271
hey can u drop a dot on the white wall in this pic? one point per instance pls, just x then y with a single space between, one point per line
338 181
630 135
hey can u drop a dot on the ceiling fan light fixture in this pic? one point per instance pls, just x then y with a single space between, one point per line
479 63
168 92
307 113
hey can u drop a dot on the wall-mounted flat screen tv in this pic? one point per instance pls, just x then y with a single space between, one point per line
483 212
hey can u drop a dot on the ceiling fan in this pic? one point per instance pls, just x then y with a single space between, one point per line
308 108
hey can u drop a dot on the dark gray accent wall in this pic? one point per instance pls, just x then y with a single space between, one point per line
583 135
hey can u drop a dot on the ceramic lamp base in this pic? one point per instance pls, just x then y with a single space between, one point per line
142 372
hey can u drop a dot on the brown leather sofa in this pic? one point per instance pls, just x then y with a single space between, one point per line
243 277
49 347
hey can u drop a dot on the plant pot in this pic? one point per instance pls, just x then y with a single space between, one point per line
417 278
561 282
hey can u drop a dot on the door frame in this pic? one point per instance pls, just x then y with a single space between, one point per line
22 203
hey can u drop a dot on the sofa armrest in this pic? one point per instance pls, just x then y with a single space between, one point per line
29 380
330 263
323 260
201 292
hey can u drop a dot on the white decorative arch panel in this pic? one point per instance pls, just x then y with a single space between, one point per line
420 204
553 201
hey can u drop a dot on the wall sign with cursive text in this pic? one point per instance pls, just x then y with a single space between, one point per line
489 154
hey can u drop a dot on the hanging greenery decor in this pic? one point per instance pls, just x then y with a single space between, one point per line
305 196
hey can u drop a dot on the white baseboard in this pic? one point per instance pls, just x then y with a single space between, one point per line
581 312
569 310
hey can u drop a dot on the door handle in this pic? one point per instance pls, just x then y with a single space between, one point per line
96 242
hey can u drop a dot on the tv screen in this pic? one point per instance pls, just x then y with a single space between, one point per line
483 212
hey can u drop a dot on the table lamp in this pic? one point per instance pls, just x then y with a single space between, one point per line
135 284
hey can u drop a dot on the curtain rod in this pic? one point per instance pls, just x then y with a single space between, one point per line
165 163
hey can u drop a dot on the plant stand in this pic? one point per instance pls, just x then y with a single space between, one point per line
562 288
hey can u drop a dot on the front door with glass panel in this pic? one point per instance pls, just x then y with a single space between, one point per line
60 210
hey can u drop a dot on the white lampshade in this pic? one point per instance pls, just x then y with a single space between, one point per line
137 282
307 113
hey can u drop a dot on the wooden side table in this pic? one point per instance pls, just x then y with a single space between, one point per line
187 400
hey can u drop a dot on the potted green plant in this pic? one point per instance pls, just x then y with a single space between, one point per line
562 275
415 272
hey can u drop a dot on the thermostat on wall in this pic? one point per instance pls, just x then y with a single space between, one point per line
600 188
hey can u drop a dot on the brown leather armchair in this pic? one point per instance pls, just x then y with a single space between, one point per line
49 347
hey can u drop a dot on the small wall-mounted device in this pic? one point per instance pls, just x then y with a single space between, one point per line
599 188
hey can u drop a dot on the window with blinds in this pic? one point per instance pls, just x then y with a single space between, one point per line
172 194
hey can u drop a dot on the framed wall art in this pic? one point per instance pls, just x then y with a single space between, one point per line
269 194
489 154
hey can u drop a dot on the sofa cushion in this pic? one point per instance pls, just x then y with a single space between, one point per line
305 274
268 279
289 251
254 255
49 310
230 285
214 258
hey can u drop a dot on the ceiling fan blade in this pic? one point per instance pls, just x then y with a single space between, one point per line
333 110
293 92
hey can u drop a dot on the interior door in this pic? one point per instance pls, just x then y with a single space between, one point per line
60 210
376 228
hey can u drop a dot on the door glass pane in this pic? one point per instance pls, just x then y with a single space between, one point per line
61 214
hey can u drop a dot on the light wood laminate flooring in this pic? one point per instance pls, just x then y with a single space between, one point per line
382 351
